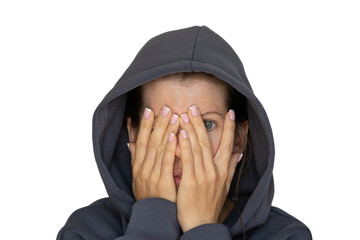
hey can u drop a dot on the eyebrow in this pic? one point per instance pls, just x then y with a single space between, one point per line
212 112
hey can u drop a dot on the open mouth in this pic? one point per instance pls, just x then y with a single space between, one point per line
177 180
177 176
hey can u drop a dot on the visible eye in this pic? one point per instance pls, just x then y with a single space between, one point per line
209 124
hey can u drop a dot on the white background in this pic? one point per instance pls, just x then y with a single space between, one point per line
58 59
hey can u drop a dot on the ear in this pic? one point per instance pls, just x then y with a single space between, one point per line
240 139
131 130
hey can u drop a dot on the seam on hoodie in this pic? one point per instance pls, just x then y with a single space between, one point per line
279 212
155 66
193 51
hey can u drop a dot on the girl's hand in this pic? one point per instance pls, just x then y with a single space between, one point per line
205 180
153 154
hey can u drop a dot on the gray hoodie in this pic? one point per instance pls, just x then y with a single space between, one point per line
194 49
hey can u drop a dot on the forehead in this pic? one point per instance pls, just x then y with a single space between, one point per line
208 94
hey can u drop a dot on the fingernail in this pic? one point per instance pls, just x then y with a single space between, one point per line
184 133
239 158
185 118
147 113
173 119
171 137
194 111
232 114
165 111
128 145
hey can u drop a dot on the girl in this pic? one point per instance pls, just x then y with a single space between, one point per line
185 150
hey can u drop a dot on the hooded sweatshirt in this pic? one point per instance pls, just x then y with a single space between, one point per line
120 216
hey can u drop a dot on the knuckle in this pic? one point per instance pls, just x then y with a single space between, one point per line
197 150
212 177
135 172
223 175
205 143
153 180
141 143
165 163
160 149
168 150
167 160
153 144
143 176
229 146
187 160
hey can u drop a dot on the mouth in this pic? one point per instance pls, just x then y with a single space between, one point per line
177 176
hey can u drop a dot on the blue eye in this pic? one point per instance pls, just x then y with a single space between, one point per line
209 125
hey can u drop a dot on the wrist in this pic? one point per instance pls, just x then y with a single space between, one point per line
188 226
208 231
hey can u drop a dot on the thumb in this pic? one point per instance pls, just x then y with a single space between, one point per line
234 161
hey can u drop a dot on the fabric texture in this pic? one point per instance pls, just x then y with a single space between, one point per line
194 49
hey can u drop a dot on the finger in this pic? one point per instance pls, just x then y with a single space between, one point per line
222 157
187 159
167 166
156 136
143 137
195 147
131 147
202 136
234 161
172 128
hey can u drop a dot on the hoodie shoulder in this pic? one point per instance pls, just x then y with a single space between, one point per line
281 225
99 220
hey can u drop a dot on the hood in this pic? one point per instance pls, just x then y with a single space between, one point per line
194 49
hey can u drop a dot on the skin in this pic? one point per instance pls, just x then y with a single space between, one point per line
206 153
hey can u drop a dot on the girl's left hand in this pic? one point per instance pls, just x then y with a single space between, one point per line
206 179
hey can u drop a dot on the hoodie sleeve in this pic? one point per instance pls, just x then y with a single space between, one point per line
156 218
212 231
280 226
153 218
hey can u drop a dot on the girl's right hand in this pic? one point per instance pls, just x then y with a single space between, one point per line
153 155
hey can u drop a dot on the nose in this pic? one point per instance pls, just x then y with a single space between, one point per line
177 151
177 162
